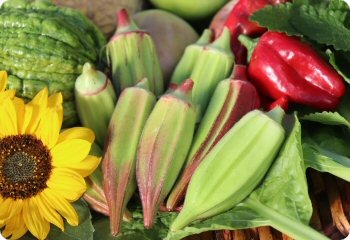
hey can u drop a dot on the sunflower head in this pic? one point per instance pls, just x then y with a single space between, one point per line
41 167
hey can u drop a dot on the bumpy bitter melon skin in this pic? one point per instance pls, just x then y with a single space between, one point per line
43 45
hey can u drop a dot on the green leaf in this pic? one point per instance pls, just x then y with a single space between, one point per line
134 229
323 163
283 196
329 118
340 61
328 137
325 22
338 5
276 18
239 217
327 150
84 231
325 26
285 186
344 107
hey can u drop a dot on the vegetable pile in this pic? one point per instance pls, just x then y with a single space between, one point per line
224 143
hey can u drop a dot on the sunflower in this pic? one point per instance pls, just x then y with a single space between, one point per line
42 169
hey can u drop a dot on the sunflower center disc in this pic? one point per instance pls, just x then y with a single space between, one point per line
25 166
19 167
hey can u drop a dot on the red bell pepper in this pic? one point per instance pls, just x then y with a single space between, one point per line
238 23
283 66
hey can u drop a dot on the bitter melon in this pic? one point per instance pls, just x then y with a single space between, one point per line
44 45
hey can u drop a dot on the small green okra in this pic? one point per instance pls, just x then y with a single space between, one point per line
95 101
234 167
132 56
164 144
119 162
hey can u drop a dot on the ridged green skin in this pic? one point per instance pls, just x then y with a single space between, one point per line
21 58
133 56
47 46
129 117
214 64
189 58
231 100
165 141
95 101
235 166
75 18
43 45
29 87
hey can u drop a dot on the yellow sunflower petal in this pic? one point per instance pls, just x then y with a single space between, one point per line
10 208
8 119
49 213
67 183
40 99
55 102
15 228
87 166
5 208
70 152
39 106
16 207
20 112
33 114
77 133
62 206
33 219
7 94
23 125
3 80
48 128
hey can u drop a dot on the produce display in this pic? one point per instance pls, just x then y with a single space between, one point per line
194 117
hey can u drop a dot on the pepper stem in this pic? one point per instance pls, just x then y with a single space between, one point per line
249 43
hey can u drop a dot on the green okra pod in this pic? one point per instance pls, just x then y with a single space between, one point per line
235 166
232 99
95 101
164 144
129 117
132 55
